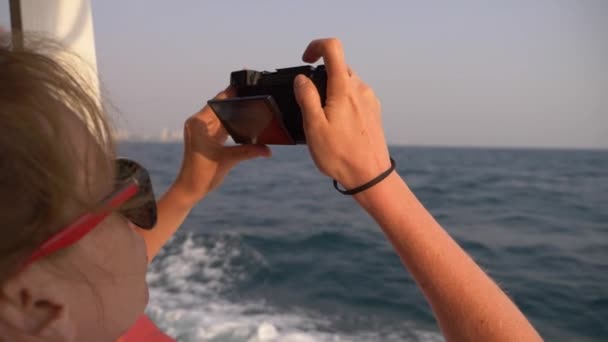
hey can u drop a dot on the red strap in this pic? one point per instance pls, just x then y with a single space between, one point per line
145 330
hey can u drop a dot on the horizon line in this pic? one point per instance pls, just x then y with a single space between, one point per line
430 146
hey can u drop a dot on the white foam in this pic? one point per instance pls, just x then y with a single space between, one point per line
196 311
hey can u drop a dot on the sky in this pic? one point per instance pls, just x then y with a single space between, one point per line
513 73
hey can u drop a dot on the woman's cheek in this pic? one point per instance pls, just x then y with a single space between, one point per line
141 244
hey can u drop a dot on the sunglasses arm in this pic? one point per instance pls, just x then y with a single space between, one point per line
74 232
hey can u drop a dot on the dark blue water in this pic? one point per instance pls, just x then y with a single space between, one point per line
276 254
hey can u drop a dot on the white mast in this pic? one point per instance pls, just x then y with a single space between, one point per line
68 21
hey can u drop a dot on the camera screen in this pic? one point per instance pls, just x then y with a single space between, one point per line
252 120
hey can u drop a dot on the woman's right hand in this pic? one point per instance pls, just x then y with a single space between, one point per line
345 138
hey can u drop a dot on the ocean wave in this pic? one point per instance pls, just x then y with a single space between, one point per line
276 253
186 286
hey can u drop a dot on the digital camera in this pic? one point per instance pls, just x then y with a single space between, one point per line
265 110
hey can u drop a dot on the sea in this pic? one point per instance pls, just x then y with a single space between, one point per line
276 254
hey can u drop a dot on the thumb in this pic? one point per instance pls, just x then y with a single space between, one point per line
309 100
236 154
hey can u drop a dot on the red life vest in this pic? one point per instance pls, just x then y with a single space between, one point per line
144 330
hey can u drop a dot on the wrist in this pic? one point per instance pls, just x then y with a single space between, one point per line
379 193
367 185
358 175
183 195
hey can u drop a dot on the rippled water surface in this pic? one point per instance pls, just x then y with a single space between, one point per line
276 254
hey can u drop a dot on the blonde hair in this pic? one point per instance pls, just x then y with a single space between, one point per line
40 167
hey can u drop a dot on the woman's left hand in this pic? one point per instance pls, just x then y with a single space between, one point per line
206 159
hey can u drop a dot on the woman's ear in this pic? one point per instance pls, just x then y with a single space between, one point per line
34 307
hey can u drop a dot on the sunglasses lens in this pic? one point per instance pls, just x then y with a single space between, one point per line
141 208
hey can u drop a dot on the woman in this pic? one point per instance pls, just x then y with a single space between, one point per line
77 224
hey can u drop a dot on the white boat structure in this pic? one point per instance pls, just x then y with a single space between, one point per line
70 22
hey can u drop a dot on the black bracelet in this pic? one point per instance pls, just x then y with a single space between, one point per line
368 184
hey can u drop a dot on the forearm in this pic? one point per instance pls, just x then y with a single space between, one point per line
173 208
466 302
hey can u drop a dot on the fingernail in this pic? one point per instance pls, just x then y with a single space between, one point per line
300 81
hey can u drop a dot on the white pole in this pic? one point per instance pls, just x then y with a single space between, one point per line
68 21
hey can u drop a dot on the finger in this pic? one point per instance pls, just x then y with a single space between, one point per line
206 111
333 57
208 117
356 81
309 101
227 93
353 75
236 154
206 124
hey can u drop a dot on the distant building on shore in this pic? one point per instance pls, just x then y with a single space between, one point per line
165 136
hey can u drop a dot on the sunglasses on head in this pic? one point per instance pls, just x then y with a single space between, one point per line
132 197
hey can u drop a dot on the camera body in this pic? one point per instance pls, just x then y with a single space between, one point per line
265 110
